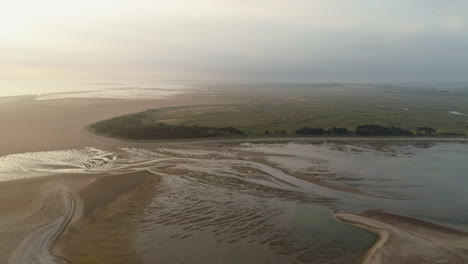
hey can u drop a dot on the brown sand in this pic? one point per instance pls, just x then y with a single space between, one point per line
30 125
112 208
29 204
407 240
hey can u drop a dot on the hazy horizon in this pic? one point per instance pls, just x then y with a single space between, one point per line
185 85
55 46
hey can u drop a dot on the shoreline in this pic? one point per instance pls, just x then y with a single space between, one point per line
85 131
408 240
31 125
382 235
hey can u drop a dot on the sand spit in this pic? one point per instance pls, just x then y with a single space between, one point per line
408 240
37 212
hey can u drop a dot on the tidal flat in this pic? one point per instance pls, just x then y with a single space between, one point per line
256 203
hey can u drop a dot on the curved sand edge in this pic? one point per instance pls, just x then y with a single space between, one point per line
36 247
407 240
367 225
39 211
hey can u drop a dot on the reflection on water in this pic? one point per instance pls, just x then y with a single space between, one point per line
194 222
270 203
424 180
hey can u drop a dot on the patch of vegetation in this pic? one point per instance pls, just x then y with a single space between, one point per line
136 127
376 130
141 126
362 130
425 131
328 110
291 114
318 131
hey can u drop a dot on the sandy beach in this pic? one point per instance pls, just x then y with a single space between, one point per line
59 218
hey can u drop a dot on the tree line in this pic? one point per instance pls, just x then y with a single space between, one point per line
139 126
134 128
363 130
371 130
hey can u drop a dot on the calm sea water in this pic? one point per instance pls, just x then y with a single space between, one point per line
421 179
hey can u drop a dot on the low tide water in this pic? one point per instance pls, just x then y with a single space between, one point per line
253 203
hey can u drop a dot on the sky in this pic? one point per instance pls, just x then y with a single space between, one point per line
61 45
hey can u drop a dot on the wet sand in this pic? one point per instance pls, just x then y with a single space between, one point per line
29 205
34 212
407 240
61 210
38 212
42 125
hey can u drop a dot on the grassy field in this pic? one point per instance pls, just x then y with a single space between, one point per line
290 108
289 111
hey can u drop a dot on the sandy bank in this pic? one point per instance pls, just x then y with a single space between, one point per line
31 125
407 240
37 211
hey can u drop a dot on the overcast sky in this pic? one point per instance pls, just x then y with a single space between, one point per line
59 43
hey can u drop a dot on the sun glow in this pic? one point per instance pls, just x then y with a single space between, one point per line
117 40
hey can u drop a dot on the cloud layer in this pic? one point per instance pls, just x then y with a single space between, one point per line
303 40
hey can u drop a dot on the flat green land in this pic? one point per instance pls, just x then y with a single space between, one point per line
289 108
